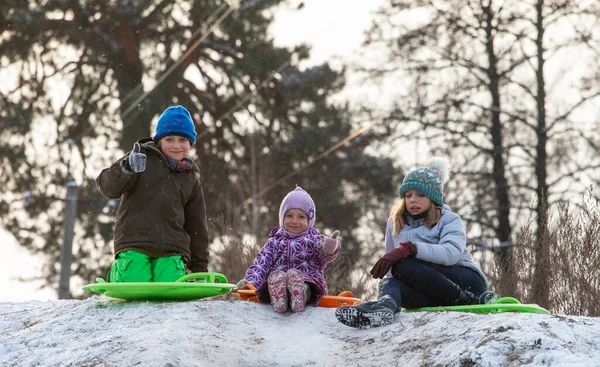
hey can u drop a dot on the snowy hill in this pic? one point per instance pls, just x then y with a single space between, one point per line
103 332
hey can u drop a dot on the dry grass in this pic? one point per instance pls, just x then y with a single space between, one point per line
345 274
233 255
570 263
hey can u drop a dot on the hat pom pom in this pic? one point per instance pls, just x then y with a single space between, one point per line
442 166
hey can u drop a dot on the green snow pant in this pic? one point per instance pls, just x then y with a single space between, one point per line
135 266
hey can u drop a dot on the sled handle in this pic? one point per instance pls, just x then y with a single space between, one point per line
204 277
506 300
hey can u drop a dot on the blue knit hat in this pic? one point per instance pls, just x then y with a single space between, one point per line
298 199
176 120
428 180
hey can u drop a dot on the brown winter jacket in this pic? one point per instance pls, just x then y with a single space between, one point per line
161 208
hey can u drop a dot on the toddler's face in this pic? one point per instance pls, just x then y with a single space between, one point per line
175 147
295 221
416 202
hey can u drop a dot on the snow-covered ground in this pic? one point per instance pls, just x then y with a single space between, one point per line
100 331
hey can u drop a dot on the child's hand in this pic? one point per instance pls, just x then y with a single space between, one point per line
330 243
385 263
136 160
242 284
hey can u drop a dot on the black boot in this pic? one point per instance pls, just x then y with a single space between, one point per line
487 297
368 314
467 298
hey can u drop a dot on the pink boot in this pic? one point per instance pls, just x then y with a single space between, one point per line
296 287
277 291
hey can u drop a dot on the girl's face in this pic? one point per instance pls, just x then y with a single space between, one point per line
175 146
416 202
295 221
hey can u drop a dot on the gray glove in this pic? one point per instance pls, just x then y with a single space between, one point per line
330 243
136 161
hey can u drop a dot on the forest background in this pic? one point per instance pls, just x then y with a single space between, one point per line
508 90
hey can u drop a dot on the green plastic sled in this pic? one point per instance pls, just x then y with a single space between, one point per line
205 285
501 305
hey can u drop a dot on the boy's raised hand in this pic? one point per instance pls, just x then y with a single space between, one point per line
136 160
330 243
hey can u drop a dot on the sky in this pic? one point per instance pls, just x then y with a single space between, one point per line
333 28
335 31
99 331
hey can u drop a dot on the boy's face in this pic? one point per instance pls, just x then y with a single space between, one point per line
295 221
416 202
175 146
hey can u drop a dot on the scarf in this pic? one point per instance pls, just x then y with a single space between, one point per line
183 165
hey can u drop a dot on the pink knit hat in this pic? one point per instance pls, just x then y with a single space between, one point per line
298 199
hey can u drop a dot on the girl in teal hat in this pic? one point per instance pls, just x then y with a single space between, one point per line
426 261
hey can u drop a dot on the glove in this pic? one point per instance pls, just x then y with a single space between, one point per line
136 161
330 243
240 285
383 265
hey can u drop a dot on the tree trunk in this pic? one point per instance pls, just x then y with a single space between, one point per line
503 231
128 70
541 287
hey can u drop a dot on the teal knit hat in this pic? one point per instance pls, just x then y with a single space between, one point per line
428 180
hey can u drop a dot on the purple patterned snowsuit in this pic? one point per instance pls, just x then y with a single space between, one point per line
284 251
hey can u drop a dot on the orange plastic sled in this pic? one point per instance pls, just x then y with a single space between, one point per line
343 299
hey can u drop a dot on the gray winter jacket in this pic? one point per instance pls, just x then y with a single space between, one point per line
443 244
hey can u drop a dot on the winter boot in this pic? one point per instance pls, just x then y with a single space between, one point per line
468 298
296 287
369 314
487 297
277 291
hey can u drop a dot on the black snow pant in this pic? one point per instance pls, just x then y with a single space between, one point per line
418 283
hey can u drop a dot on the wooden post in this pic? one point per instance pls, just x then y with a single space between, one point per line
66 255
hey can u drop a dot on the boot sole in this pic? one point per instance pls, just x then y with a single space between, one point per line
277 291
295 286
353 317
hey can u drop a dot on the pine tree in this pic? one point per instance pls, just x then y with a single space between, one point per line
100 72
